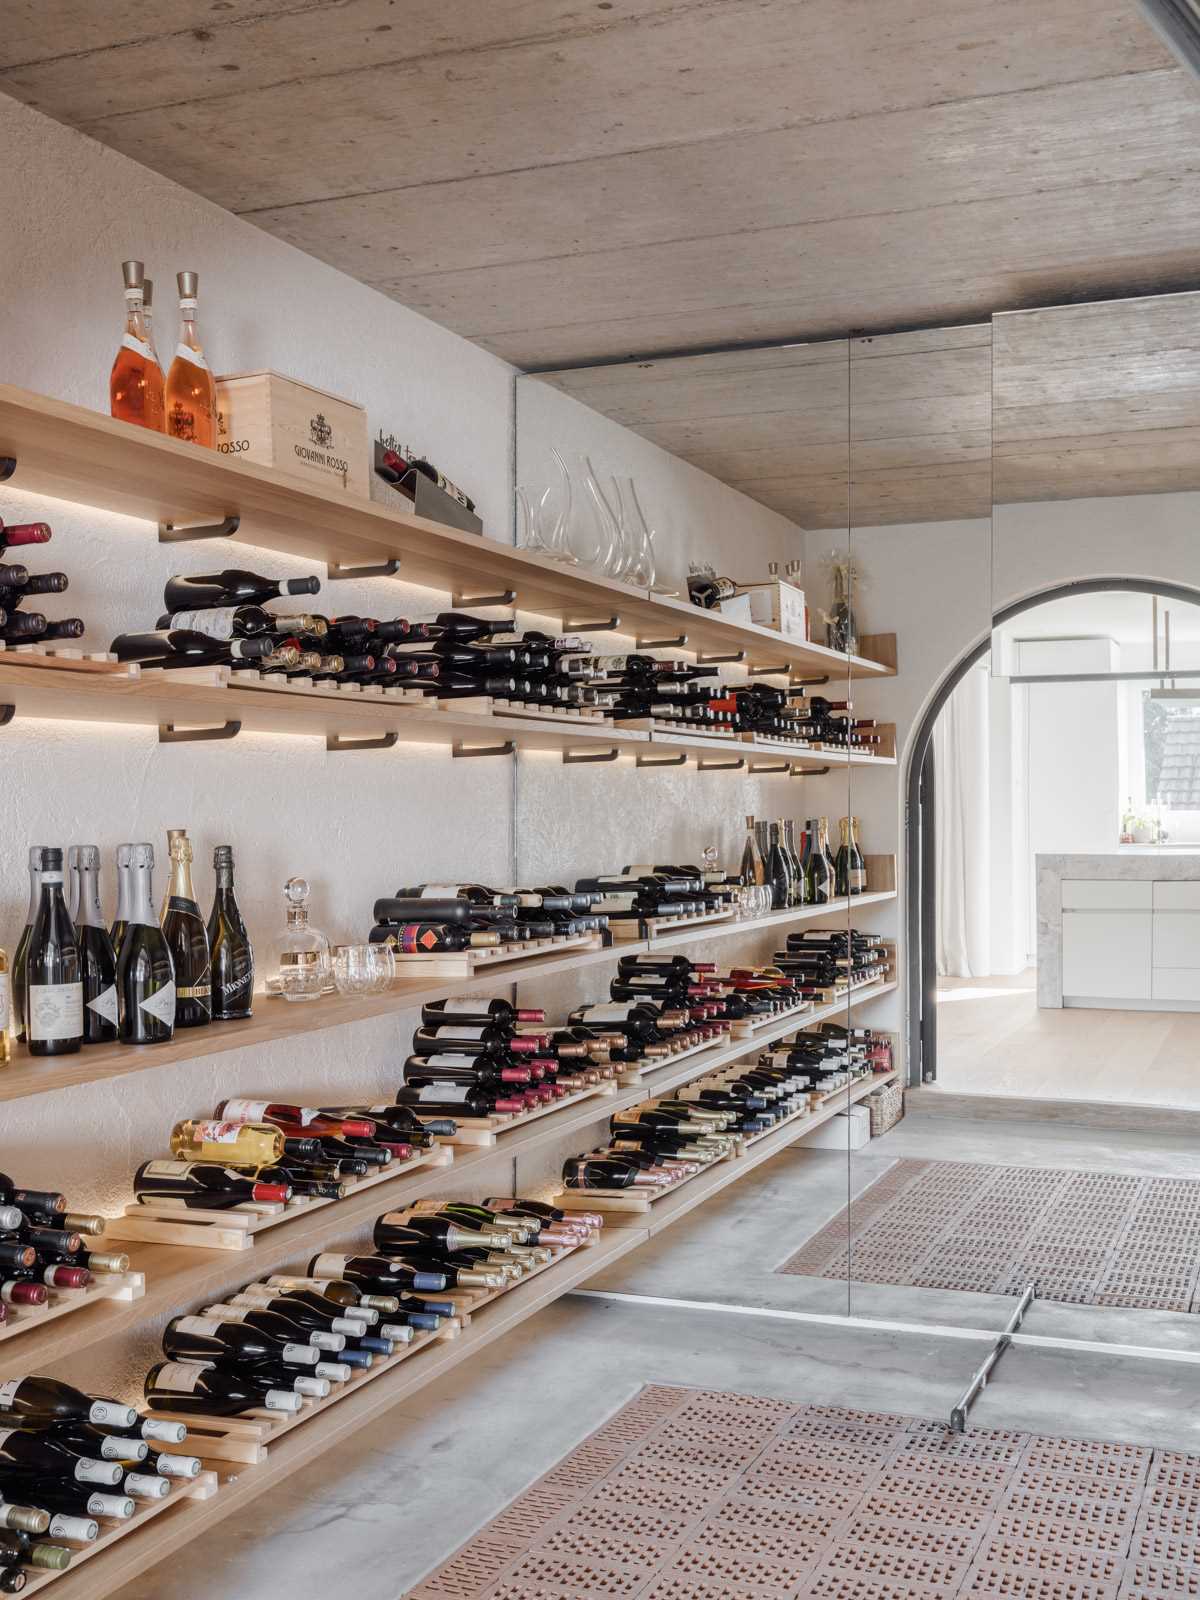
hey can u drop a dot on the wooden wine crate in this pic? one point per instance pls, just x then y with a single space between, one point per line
469 963
483 1132
236 1229
202 1487
125 1286
625 929
64 658
248 1438
304 432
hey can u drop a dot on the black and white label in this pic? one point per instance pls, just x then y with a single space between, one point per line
179 1377
208 1327
610 1013
55 1011
170 1169
161 1004
450 1093
457 1008
217 622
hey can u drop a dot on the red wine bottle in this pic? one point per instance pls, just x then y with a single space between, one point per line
200 1185
232 587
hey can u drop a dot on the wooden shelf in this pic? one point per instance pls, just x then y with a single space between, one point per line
79 455
28 1075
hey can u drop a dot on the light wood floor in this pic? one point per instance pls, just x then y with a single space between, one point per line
993 1039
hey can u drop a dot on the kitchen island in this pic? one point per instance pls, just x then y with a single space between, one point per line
1120 930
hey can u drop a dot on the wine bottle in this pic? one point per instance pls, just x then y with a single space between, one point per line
229 943
475 1012
457 1100
375 1273
232 587
53 970
6 1010
77 1501
187 647
427 938
190 393
98 958
850 871
200 1185
217 1391
187 938
44 1453
241 1144
20 533
145 970
135 384
37 863
211 1339
37 1402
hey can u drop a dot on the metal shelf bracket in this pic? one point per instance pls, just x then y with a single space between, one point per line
7 713
704 764
721 659
574 758
676 642
810 772
169 533
770 766
504 749
335 570
663 761
596 625
467 601
807 683
8 465
168 733
773 672
385 741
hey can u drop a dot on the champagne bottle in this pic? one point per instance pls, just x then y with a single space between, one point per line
850 871
145 970
121 920
37 864
200 1185
232 587
187 938
229 943
217 1391
53 970
99 961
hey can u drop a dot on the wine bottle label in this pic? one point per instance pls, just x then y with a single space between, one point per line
180 1378
141 347
256 1110
170 1169
5 1002
78 1529
217 621
105 1004
461 1007
217 1132
55 1011
161 1004
333 1265
618 1013
188 352
459 1032
440 891
208 1326
444 1063
8 1392
452 1093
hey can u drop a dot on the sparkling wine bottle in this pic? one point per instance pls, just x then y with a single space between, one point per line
100 1010
187 938
231 952
145 970
53 970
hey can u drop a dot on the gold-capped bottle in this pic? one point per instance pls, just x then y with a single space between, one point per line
191 393
187 938
135 385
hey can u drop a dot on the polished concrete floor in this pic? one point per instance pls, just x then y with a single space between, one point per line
994 1040
374 1516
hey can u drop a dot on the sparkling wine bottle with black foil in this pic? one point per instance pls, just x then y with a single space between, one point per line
37 863
187 937
99 960
232 956
53 970
145 968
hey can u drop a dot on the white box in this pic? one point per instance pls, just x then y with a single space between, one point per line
778 605
738 609
849 1130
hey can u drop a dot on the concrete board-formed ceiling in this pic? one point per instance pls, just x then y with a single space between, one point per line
562 180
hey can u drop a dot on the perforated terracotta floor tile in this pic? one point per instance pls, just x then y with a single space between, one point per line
1084 1238
696 1495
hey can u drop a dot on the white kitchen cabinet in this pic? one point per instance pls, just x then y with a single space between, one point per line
1107 955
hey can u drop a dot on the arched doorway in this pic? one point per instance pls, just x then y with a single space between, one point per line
920 871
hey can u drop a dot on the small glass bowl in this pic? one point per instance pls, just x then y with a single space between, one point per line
354 968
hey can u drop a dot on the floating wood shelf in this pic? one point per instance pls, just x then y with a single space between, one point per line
273 1019
79 455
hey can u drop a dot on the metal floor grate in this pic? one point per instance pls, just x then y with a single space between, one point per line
1092 1238
688 1494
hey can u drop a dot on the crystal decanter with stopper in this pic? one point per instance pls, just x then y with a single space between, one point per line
304 966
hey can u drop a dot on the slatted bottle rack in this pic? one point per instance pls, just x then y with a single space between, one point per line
661 927
484 1132
237 1228
127 1286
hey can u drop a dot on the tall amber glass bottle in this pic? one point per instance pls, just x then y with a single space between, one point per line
135 386
191 392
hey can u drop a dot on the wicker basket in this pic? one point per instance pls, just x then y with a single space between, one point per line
886 1106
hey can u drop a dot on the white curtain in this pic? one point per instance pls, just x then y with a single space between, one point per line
961 747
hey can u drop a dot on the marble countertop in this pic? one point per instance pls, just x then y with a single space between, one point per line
1127 861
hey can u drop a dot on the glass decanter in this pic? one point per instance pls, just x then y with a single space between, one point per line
304 966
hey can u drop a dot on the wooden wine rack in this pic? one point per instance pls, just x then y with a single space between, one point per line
507 958
237 1228
123 1286
661 928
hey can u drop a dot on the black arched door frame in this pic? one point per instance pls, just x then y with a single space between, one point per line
920 840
